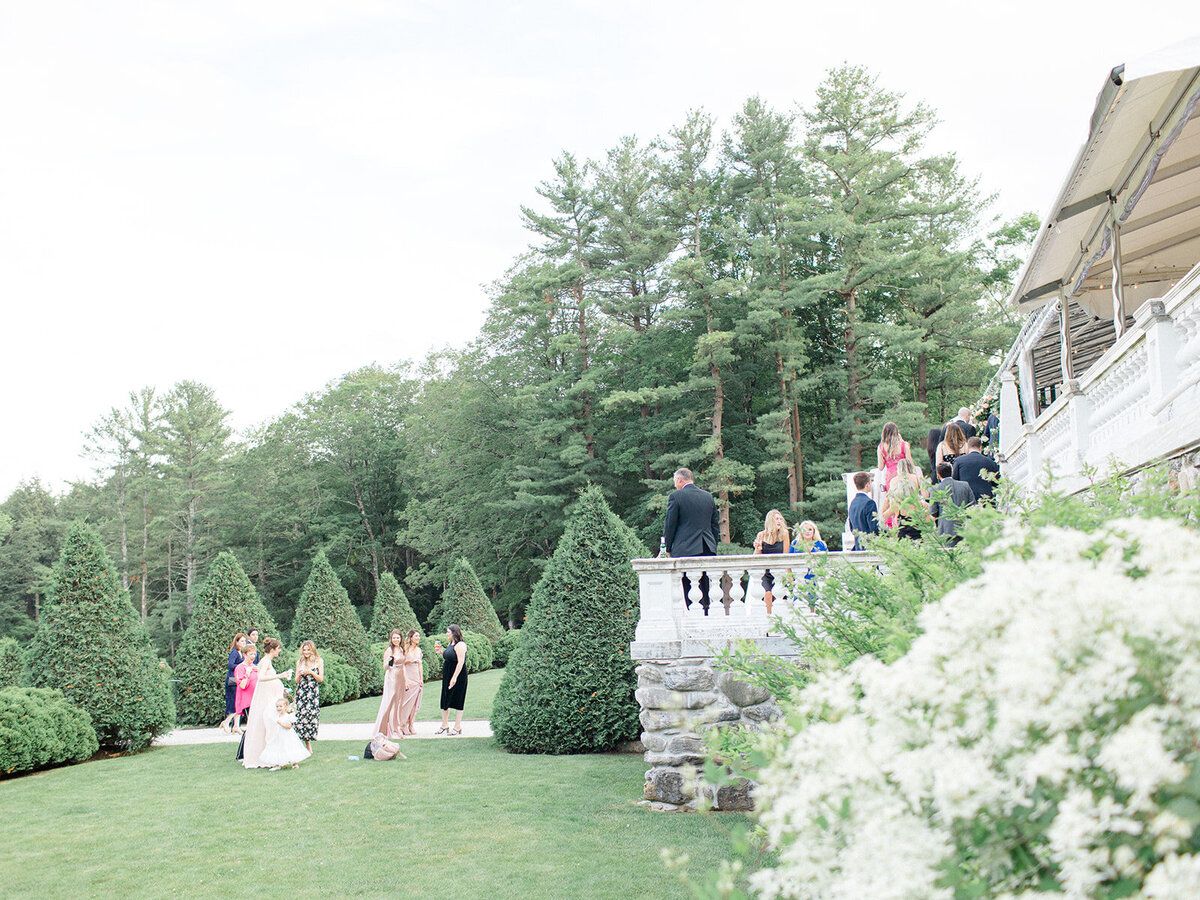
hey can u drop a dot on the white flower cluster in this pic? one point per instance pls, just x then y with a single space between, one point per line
1061 687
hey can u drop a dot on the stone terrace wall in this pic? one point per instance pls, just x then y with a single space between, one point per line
682 699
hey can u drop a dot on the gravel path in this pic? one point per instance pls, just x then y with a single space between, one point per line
358 731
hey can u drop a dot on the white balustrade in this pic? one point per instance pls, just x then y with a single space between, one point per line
671 625
1139 402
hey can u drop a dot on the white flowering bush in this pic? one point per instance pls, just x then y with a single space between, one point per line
1038 739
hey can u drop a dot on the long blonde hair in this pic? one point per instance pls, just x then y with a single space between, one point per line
316 657
775 528
955 439
815 530
891 441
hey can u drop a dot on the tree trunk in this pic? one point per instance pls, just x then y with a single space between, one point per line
793 433
145 552
853 397
124 539
370 535
189 552
922 377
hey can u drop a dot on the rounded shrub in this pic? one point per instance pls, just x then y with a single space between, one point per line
508 642
568 687
326 617
11 663
392 610
465 604
431 660
226 604
41 727
479 652
91 645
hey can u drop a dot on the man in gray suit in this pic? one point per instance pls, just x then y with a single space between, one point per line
950 498
691 526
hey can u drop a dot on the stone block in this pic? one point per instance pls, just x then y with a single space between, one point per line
716 712
661 719
688 678
659 698
740 692
687 744
674 760
666 786
649 673
735 797
763 712
655 743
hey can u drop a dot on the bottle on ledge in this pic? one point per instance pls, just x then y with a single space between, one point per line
662 547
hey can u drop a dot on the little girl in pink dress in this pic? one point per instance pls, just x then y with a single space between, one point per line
283 747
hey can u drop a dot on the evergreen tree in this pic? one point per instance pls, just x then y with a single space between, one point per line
326 617
392 610
568 687
465 604
91 645
226 604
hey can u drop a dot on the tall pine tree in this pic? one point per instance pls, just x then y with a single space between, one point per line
392 610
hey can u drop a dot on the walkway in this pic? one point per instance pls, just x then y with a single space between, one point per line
357 731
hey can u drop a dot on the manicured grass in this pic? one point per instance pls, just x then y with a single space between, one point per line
481 691
458 818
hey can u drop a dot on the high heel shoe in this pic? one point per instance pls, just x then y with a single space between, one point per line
443 730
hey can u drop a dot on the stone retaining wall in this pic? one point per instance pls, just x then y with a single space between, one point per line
682 699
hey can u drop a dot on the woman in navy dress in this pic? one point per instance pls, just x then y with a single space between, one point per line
235 657
454 680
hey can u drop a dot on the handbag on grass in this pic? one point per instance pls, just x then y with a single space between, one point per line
381 748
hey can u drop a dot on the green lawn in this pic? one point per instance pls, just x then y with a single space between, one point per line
460 818
481 691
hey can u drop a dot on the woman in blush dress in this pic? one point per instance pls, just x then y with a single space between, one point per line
388 721
310 672
262 704
414 682
231 710
454 680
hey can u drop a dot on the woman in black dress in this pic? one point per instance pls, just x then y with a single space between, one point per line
454 680
774 538
235 657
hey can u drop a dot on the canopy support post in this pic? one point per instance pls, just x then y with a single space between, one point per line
1118 287
1065 348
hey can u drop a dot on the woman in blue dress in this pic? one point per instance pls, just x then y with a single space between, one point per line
808 540
235 657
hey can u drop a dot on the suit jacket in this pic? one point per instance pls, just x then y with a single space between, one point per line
950 492
863 517
970 468
968 429
692 523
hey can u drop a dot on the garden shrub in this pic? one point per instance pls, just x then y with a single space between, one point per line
11 663
392 610
505 646
479 652
41 727
341 679
91 645
326 617
226 604
568 687
465 604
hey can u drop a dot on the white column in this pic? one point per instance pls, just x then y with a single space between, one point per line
851 490
1162 350
1010 411
1118 288
1029 400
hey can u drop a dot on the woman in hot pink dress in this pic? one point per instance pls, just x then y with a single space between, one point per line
414 682
892 448
388 721
245 678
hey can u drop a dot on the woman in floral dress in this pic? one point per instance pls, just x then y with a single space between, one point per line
310 672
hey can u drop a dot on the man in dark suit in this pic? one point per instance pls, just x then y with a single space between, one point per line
691 525
863 515
950 497
960 420
970 466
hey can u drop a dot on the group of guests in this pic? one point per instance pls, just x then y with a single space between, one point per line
277 734
775 538
963 475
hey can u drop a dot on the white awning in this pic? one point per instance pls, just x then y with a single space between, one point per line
1141 162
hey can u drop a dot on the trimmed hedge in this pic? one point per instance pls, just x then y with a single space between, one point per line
41 727
479 652
11 663
91 645
341 679
569 685
508 642
226 604
392 610
466 605
326 617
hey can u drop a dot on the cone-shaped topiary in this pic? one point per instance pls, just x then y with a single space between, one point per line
326 617
465 604
91 645
568 686
10 663
226 604
392 610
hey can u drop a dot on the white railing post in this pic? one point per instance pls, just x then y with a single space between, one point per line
1010 411
1162 348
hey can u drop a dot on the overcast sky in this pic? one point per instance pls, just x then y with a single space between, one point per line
263 196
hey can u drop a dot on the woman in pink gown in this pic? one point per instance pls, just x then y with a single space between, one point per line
388 721
414 682
892 448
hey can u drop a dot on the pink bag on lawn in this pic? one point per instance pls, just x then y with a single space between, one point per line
382 748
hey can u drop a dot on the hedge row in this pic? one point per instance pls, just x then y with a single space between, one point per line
41 727
341 679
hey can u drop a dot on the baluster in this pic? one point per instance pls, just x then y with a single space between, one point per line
736 609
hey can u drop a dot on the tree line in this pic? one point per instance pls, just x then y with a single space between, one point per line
753 304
